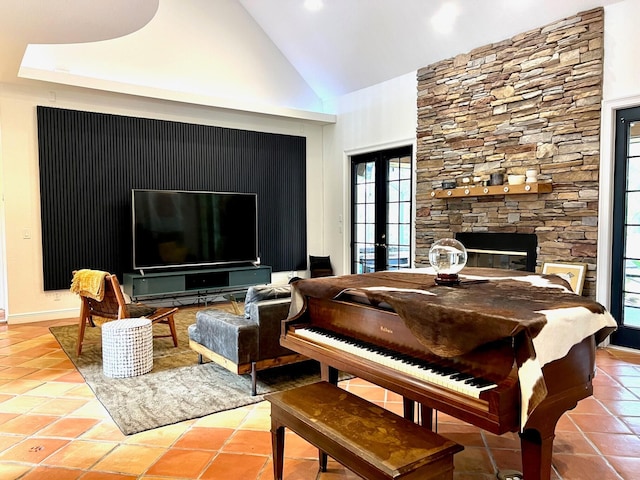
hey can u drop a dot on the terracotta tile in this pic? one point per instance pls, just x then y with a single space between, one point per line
305 470
247 441
371 393
616 444
68 427
52 473
33 450
110 476
45 362
572 443
80 454
92 409
473 460
105 430
335 471
627 467
159 437
204 438
618 369
614 393
507 459
16 372
599 423
635 391
297 447
623 407
566 424
21 404
50 389
12 471
510 441
27 424
48 375
466 437
228 419
130 459
258 419
633 423
71 377
18 387
5 417
625 380
59 406
229 465
181 463
583 467
590 405
81 390
7 441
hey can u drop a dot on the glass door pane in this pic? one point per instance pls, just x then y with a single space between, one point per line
364 202
631 302
398 213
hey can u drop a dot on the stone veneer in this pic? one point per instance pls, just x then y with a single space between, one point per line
532 101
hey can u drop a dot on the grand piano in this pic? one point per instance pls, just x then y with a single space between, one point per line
506 351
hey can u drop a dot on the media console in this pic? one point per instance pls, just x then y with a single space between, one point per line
194 282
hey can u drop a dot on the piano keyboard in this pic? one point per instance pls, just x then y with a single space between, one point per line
424 370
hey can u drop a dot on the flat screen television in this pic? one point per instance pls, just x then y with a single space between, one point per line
181 229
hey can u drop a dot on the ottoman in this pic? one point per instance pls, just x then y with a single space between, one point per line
127 347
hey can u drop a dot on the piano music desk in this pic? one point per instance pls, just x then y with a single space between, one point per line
367 439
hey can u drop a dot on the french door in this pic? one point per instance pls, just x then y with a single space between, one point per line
382 200
625 268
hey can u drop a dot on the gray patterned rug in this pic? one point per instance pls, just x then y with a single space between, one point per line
177 388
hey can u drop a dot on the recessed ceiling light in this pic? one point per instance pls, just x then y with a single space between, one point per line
313 5
445 18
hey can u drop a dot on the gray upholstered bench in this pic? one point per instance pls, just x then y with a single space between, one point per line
246 342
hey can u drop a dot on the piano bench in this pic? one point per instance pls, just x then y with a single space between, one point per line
367 439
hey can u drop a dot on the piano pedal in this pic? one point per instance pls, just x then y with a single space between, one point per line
510 475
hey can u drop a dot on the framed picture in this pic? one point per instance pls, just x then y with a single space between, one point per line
573 273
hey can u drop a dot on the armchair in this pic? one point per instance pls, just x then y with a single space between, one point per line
102 297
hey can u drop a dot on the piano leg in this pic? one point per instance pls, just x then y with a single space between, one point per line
426 413
426 417
408 409
536 455
328 373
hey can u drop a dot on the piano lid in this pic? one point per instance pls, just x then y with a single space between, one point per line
488 305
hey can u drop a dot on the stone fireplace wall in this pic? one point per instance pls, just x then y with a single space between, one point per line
532 101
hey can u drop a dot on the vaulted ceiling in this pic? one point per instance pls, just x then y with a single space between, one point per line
295 53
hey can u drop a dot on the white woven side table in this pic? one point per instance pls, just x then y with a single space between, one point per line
127 347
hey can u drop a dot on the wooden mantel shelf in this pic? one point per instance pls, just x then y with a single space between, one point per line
492 190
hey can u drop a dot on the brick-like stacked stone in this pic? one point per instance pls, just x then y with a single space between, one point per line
532 101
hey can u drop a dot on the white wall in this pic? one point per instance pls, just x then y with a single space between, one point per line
621 89
26 300
376 118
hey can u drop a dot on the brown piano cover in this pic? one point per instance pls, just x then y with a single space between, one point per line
540 312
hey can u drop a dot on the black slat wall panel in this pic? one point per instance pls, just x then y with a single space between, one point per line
90 162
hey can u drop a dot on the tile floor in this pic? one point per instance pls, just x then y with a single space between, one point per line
52 427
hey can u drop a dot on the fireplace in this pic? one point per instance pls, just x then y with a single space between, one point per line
512 251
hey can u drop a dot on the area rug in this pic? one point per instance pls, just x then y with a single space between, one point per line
177 388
